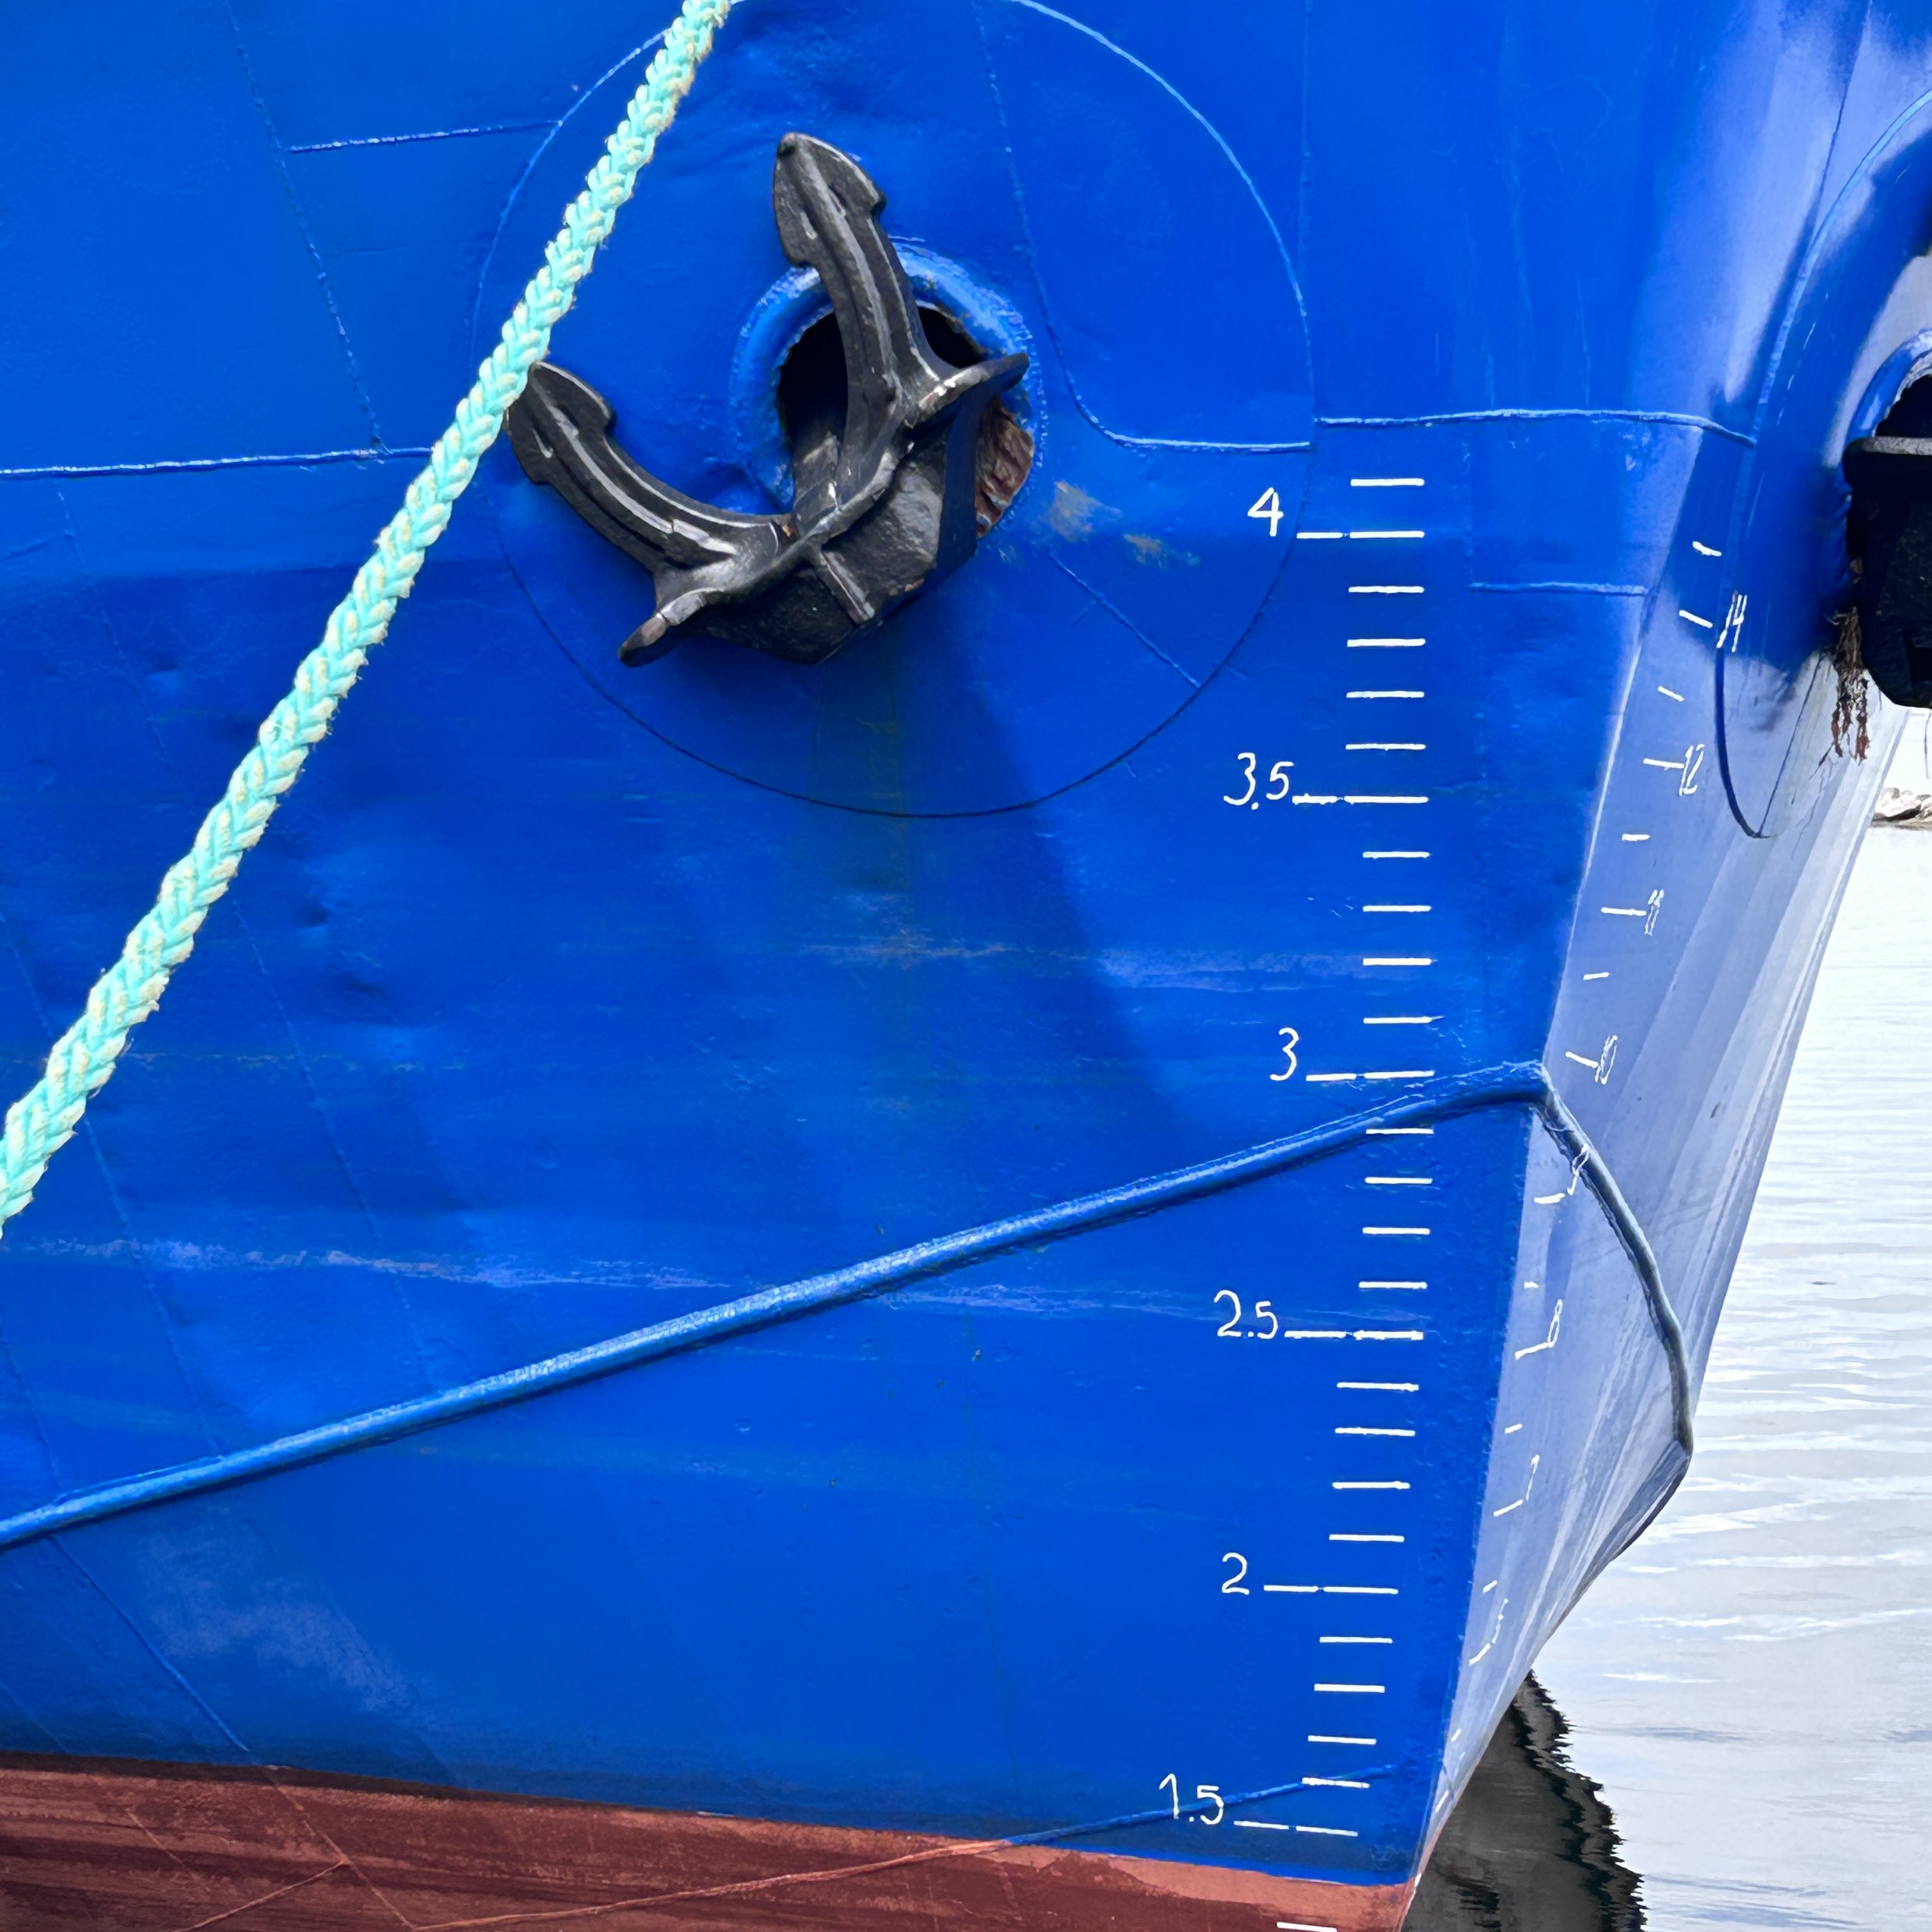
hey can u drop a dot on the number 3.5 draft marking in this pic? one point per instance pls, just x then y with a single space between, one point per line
1279 785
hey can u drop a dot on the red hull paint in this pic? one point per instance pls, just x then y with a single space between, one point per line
122 1847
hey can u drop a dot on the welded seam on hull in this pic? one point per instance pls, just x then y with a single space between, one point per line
1515 1083
1675 1463
1568 1131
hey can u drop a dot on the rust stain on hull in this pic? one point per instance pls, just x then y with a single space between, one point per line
116 1846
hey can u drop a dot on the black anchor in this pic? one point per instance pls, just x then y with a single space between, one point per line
926 461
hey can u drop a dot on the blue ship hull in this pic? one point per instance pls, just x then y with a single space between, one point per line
1348 858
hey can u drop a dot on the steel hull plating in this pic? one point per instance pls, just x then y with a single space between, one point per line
1405 660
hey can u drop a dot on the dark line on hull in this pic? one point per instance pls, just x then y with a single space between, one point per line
1517 1083
1565 1125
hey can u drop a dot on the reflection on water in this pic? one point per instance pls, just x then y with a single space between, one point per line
1752 1684
1530 1846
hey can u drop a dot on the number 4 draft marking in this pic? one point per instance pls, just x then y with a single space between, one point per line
1267 507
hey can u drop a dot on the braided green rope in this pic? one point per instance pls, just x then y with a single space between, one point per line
43 1120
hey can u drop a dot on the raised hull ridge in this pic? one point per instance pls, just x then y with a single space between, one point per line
1244 1023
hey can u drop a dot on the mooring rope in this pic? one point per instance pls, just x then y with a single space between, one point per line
44 1120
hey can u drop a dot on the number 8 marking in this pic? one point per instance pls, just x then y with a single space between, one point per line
1290 1040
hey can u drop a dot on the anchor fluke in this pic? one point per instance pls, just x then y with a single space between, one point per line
887 500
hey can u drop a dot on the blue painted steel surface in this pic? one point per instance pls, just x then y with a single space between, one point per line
565 1000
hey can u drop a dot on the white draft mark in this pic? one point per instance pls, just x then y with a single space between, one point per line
1600 1069
1647 912
1686 768
1534 1461
1549 1340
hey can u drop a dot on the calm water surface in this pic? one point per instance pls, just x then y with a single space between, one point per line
1751 1687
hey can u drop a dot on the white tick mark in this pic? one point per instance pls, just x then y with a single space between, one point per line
1734 621
1517 1505
1549 1340
1704 549
1666 691
1691 617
